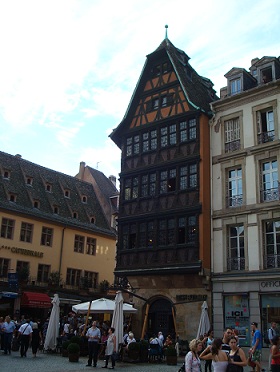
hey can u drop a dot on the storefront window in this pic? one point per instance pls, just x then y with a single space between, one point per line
270 311
237 316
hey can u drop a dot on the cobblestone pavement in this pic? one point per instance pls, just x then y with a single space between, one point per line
56 363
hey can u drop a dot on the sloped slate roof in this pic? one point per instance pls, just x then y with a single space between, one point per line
104 184
198 90
26 194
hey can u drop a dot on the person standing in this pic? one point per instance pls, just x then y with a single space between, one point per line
8 329
275 354
36 338
237 357
256 349
271 333
208 342
110 348
93 335
25 333
217 355
226 337
192 360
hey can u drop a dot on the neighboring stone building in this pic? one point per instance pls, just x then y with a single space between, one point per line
164 217
245 147
52 225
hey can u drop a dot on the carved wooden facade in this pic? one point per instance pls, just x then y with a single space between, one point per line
164 215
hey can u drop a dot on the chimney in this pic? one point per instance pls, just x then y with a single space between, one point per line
113 179
82 170
18 156
254 60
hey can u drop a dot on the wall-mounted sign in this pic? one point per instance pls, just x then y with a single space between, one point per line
271 284
191 298
26 252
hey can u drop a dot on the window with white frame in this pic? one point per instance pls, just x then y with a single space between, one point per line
272 244
79 244
43 273
270 182
26 232
235 244
232 134
4 267
91 246
235 86
73 277
265 125
234 187
47 236
7 228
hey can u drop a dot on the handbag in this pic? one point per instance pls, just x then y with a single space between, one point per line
115 356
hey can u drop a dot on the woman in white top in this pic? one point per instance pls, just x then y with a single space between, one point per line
111 348
192 361
214 352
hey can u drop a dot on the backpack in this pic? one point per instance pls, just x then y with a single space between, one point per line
266 335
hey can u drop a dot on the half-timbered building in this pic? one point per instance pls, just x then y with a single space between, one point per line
164 217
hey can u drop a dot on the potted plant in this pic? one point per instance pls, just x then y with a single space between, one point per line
144 351
134 351
73 352
64 347
171 355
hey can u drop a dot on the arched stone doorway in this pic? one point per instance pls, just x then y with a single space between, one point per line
160 318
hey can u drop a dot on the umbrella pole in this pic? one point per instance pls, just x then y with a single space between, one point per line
86 323
174 321
145 321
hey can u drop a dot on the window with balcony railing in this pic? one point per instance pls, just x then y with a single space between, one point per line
234 188
232 135
235 256
272 244
265 124
270 182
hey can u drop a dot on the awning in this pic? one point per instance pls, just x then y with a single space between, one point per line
8 294
33 299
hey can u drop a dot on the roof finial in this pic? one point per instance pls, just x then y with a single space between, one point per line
166 27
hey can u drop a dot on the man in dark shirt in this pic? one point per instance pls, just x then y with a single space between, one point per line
226 337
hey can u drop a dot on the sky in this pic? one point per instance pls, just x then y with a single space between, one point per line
68 68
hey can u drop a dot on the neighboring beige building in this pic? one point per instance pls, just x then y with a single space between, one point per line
52 225
245 147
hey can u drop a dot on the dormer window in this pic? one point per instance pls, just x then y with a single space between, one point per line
48 187
67 193
55 209
84 199
235 86
75 215
92 220
6 174
266 75
12 197
36 204
29 181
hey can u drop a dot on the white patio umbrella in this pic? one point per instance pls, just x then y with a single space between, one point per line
102 305
204 323
53 327
117 321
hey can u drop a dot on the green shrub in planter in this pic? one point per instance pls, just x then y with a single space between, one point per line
73 348
170 351
75 340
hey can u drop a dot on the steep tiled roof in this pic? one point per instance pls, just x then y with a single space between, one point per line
19 170
104 184
199 90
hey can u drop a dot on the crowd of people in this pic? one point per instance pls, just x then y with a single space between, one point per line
225 354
